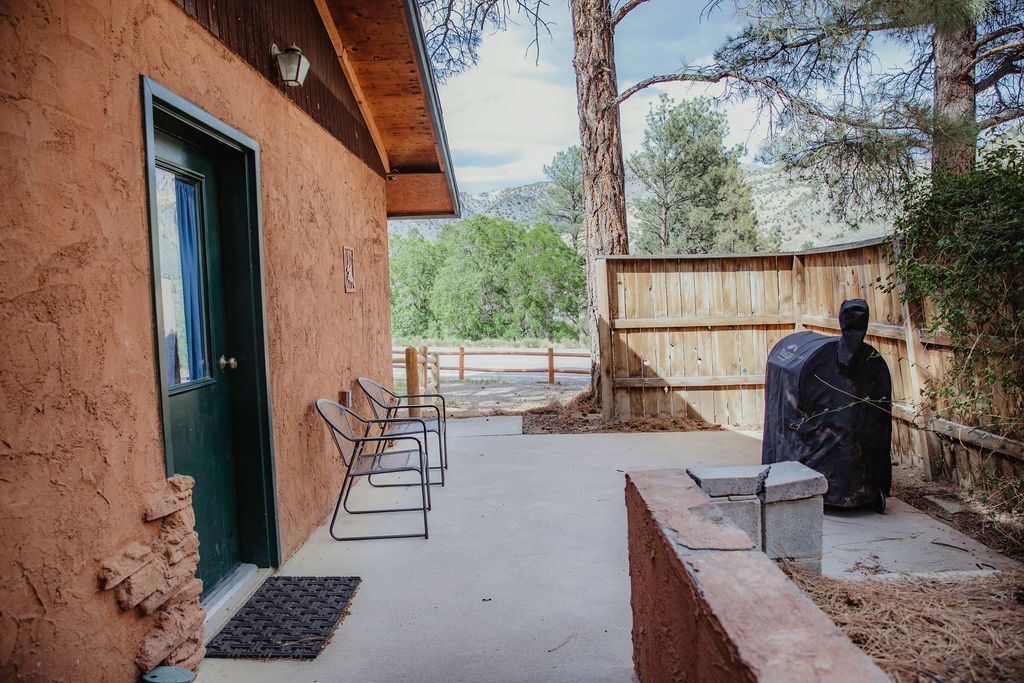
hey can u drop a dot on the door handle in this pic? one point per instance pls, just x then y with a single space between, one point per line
225 364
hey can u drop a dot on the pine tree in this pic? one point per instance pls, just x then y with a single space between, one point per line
563 201
696 199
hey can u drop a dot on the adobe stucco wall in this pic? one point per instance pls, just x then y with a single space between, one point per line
79 421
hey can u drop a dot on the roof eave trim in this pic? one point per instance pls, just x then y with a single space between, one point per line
433 101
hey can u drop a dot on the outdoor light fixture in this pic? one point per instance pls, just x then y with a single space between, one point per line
292 64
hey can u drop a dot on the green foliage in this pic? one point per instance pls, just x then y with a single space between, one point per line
695 200
487 278
960 244
563 203
413 267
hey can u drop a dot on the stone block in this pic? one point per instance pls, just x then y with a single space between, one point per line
176 577
174 627
182 482
118 568
188 654
791 481
190 591
737 480
141 584
184 547
793 528
165 502
744 513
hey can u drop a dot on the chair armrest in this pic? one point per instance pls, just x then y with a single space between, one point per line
444 407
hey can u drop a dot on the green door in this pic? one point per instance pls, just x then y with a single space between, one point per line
197 345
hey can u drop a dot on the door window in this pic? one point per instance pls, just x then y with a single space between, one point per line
181 280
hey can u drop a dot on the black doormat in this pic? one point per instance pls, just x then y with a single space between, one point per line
289 617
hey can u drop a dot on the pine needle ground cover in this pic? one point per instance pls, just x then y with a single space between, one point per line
966 628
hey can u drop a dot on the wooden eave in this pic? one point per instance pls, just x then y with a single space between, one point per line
380 47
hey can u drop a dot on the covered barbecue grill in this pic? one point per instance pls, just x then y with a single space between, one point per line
828 404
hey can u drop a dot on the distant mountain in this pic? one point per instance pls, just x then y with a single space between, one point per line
798 209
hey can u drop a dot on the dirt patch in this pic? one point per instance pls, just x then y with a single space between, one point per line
992 523
957 629
581 415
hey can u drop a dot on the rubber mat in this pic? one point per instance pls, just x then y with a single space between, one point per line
289 617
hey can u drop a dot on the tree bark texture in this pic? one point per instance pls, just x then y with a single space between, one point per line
604 177
956 130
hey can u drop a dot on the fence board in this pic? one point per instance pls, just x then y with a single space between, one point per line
690 335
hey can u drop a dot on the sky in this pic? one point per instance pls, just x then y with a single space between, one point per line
508 116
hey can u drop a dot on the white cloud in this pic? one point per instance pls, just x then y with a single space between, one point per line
508 116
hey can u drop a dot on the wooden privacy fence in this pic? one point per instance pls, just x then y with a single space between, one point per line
690 335
549 353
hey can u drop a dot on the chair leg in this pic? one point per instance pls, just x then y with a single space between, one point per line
346 489
371 511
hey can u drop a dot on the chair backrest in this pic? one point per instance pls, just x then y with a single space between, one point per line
382 401
345 424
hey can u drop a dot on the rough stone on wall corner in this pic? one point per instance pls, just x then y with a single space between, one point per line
131 559
134 589
174 626
163 503
182 482
190 591
182 548
188 654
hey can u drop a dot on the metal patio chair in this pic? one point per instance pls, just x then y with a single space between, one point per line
386 404
351 434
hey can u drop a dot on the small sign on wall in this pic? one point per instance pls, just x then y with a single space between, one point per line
350 272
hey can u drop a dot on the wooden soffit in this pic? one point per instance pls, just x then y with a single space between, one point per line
380 46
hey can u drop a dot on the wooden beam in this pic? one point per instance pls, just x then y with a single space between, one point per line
925 442
353 81
706 323
659 382
874 329
978 437
604 345
799 295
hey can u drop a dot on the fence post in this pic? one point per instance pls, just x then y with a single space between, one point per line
604 334
435 358
424 369
551 365
798 291
925 441
412 377
462 362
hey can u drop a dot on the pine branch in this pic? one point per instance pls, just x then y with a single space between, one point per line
1001 117
626 9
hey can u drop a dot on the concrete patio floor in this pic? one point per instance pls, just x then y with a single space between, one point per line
525 575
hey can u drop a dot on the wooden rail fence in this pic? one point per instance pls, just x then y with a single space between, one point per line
689 335
550 353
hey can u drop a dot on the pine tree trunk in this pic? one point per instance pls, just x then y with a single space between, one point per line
956 131
604 178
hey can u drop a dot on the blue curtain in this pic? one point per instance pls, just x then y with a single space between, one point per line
188 247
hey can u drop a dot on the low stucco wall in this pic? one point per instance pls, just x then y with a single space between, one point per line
79 414
708 606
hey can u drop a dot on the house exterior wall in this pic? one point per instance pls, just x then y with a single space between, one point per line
80 432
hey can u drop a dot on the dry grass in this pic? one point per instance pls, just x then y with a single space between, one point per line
955 629
581 415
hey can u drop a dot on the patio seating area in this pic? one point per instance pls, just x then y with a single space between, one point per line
525 575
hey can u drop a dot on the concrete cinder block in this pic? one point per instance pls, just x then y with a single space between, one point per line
793 528
738 480
745 514
792 481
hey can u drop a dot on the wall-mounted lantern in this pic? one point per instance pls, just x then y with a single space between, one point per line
292 64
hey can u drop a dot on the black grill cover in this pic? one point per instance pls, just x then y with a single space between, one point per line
828 404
